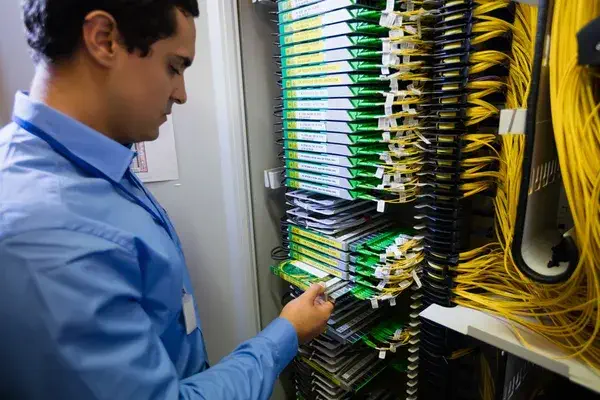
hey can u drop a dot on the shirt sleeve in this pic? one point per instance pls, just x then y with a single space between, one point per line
74 327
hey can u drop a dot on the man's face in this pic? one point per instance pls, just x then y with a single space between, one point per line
142 90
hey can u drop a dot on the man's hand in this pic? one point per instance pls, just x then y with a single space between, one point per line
308 313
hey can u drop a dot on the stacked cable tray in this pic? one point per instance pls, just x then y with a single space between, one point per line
467 91
335 111
351 125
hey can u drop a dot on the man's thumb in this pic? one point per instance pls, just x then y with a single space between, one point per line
313 292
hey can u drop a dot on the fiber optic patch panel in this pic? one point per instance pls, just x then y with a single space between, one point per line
426 104
350 118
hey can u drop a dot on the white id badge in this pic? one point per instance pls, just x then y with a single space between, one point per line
189 314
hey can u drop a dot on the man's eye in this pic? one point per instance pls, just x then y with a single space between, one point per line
174 70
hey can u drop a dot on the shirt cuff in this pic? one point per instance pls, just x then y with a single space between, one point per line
284 335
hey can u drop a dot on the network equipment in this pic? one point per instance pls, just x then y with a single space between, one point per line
441 108
350 131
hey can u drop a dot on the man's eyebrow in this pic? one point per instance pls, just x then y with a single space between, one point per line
185 61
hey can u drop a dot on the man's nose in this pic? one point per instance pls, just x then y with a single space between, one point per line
179 96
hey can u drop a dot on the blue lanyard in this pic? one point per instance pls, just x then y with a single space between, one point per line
85 166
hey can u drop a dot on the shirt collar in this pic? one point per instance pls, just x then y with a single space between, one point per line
98 150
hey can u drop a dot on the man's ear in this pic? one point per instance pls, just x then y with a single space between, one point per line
101 37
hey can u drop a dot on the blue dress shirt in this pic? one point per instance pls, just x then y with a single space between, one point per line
92 276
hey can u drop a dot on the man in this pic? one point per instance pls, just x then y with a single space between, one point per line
95 297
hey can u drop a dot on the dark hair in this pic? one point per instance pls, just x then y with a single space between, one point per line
54 27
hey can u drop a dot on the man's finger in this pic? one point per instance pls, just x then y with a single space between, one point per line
326 307
313 292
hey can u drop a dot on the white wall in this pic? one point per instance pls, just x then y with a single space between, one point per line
261 90
223 288
16 68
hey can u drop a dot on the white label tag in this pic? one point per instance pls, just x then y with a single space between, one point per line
383 19
383 123
512 121
397 33
389 5
388 159
389 103
400 240
392 348
386 46
393 302
382 354
386 136
388 110
386 60
394 84
398 21
404 284
189 314
381 285
374 303
379 173
416 278
380 206
398 334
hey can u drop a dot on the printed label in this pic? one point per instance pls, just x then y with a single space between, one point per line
323 169
306 12
309 269
319 189
315 70
308 125
287 5
303 60
304 36
314 147
322 249
311 115
319 179
315 237
325 268
309 137
327 80
317 158
304 24
312 47
308 93
310 104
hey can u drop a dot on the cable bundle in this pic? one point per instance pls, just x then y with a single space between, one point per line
566 313
470 63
